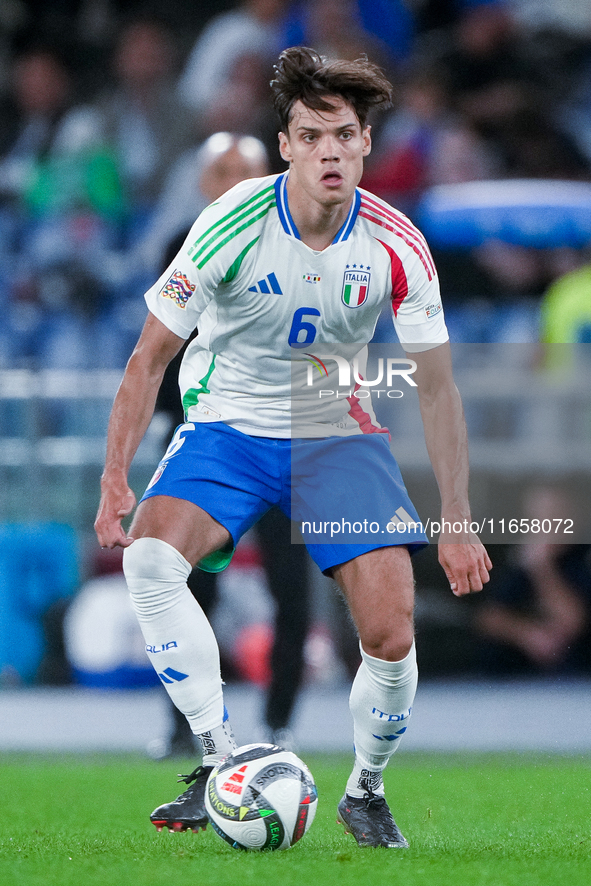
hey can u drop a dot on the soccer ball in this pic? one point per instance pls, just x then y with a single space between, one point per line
261 797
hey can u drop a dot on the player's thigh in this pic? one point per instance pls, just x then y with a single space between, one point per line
181 523
379 589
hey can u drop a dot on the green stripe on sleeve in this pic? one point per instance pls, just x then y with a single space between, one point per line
235 266
233 233
232 218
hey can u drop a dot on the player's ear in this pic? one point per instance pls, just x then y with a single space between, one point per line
284 148
366 136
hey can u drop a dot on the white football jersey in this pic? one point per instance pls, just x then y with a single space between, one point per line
264 301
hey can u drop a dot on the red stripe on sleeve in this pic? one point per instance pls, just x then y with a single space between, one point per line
403 224
402 236
399 281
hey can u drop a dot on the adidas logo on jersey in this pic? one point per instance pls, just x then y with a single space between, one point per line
267 285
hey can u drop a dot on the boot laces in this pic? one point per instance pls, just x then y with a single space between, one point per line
374 801
193 776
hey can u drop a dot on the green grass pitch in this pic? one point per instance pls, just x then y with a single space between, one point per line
507 820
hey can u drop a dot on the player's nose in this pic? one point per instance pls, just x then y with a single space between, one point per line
330 148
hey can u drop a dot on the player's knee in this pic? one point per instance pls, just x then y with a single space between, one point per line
154 561
156 575
390 645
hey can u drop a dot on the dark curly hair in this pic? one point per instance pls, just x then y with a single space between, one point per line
301 74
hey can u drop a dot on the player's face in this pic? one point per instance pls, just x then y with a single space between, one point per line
325 150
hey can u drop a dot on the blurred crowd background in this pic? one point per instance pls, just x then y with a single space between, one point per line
120 121
104 106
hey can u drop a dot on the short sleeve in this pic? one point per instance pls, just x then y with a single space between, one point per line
419 320
213 250
181 293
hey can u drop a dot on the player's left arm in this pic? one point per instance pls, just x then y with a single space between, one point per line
463 558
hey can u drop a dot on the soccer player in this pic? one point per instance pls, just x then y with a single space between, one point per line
274 264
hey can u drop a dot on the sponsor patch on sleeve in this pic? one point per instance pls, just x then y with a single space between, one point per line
178 288
432 310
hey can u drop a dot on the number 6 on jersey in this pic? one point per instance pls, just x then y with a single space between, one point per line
300 325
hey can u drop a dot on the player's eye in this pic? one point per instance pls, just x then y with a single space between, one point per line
346 135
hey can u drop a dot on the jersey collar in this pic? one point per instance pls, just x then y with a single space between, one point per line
288 223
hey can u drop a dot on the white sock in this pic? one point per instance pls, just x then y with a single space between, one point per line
381 703
216 743
179 640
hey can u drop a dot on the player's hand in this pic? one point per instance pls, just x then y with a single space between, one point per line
466 565
117 501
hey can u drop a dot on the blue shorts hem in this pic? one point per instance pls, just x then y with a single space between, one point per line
328 556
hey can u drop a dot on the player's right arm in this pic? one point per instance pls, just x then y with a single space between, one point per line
176 302
131 414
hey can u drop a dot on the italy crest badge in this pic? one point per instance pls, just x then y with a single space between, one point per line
355 287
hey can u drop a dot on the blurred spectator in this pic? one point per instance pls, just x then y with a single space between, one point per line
41 93
532 146
243 107
566 307
245 39
90 193
225 84
563 16
574 114
337 29
495 291
62 206
139 119
424 143
565 318
394 22
485 69
46 168
499 89
196 180
536 616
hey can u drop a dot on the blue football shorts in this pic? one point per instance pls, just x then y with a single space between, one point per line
345 495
